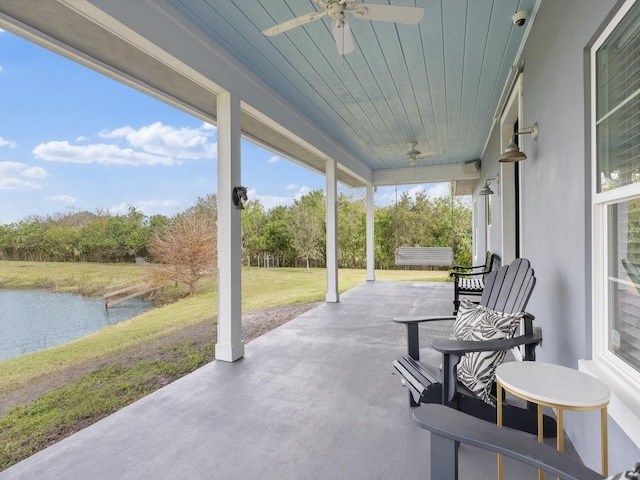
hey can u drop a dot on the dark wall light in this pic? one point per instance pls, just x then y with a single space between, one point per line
486 190
512 153
239 197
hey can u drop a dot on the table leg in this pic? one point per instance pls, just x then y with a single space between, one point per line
540 436
560 420
604 442
499 413
560 431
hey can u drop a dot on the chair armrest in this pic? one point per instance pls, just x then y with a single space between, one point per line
420 319
452 346
449 426
413 338
460 266
467 267
453 350
463 274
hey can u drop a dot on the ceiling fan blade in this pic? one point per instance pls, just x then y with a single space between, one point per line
427 155
387 13
344 38
293 23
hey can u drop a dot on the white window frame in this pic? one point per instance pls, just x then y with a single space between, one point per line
623 379
475 232
513 111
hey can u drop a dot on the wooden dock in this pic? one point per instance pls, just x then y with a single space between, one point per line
125 291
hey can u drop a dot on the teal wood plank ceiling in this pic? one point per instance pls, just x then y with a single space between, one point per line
436 83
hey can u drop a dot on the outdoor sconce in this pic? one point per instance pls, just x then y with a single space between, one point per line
486 190
239 197
512 153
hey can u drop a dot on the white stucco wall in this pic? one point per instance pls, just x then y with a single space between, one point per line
556 205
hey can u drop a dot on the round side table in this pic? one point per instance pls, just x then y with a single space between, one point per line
558 387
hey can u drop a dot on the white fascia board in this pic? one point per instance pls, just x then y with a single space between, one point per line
428 174
163 33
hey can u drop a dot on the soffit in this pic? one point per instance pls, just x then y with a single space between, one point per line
436 83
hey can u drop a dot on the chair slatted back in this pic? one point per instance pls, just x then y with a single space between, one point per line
509 288
488 263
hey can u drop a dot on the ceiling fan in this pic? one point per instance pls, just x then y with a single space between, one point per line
413 155
336 10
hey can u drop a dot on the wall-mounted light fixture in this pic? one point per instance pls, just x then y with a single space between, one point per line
512 153
239 197
486 190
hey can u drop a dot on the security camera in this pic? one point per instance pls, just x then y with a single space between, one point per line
520 17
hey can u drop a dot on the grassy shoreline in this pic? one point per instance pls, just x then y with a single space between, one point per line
78 383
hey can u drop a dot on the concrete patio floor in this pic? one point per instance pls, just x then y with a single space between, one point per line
313 399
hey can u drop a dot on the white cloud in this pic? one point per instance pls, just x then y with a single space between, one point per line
7 143
13 174
35 172
274 159
272 201
63 151
387 195
168 141
0 68
438 190
155 144
149 207
301 192
120 209
430 190
292 186
66 199
16 184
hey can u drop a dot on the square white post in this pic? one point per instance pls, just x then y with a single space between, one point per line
371 252
332 233
229 346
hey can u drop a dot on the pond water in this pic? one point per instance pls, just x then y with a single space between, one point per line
33 320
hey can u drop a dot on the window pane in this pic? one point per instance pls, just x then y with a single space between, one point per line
624 281
618 139
618 105
618 64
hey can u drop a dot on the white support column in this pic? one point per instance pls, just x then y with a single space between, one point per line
229 346
371 252
332 233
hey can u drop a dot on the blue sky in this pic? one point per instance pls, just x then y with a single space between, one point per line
73 139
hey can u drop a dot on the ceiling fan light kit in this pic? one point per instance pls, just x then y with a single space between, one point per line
336 9
413 155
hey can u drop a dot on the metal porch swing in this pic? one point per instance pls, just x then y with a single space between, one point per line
421 256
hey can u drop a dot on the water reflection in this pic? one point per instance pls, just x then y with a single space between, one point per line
34 320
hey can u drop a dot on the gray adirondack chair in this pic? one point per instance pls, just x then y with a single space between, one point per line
450 428
469 280
508 290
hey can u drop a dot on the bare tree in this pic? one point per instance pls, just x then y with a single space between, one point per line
186 251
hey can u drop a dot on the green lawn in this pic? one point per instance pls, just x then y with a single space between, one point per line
122 368
261 288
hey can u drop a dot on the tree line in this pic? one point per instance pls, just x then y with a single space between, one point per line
282 236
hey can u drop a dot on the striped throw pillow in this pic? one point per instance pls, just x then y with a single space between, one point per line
477 370
467 317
